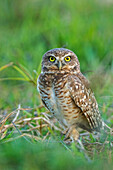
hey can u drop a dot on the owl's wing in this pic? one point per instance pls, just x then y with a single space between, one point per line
85 100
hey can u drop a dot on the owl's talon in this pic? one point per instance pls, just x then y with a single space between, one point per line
65 131
67 141
71 133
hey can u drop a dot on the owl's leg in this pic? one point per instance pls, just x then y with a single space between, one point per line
74 135
71 133
65 131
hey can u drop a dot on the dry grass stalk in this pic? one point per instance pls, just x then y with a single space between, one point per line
39 128
34 124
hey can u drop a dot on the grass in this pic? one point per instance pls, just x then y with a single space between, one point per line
29 139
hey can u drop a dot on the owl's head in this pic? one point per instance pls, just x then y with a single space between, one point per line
60 60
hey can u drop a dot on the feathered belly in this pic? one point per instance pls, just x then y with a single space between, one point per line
62 106
58 101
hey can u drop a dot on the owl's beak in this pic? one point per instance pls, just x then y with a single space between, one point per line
60 65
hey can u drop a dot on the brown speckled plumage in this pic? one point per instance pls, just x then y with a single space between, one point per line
65 92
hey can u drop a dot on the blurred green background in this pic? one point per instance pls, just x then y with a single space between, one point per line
29 28
47 156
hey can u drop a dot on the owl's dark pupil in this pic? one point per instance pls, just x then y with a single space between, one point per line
51 59
67 59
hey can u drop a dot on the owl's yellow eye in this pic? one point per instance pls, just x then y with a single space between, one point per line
52 59
67 59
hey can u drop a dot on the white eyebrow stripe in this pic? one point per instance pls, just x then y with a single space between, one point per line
51 55
57 57
69 54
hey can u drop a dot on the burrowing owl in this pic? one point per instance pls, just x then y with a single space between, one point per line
66 94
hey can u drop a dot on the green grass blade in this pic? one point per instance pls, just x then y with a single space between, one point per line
21 72
5 66
13 78
25 70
